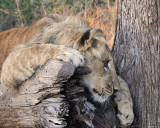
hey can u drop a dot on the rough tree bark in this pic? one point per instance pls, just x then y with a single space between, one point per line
137 53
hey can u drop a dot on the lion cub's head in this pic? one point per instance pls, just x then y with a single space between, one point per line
103 79
76 33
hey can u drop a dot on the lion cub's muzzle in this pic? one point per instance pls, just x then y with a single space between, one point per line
105 91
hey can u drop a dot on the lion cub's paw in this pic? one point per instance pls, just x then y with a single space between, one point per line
125 108
72 56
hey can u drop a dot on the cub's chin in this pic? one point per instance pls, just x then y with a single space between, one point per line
100 99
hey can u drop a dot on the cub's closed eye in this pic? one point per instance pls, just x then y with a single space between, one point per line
106 65
94 90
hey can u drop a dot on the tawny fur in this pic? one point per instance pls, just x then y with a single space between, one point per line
69 39
124 103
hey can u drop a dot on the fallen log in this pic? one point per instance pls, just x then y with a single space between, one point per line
38 102
49 99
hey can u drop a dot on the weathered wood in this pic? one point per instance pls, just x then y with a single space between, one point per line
38 102
43 101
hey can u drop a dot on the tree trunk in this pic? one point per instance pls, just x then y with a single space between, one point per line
137 53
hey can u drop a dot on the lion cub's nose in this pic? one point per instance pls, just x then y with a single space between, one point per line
115 90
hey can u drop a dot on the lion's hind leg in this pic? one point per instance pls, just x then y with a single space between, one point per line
22 62
124 103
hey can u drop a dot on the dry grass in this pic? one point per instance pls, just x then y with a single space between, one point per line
99 16
104 19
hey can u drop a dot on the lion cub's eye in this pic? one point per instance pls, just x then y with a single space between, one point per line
106 67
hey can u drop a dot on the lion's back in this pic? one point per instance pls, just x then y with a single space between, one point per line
9 39
35 33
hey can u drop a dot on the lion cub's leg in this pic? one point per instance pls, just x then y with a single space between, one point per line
20 64
124 103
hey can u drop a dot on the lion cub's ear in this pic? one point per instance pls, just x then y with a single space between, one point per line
85 37
85 40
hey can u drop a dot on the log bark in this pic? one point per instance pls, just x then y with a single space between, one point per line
38 102
54 98
137 51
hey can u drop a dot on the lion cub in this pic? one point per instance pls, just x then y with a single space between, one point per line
69 39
